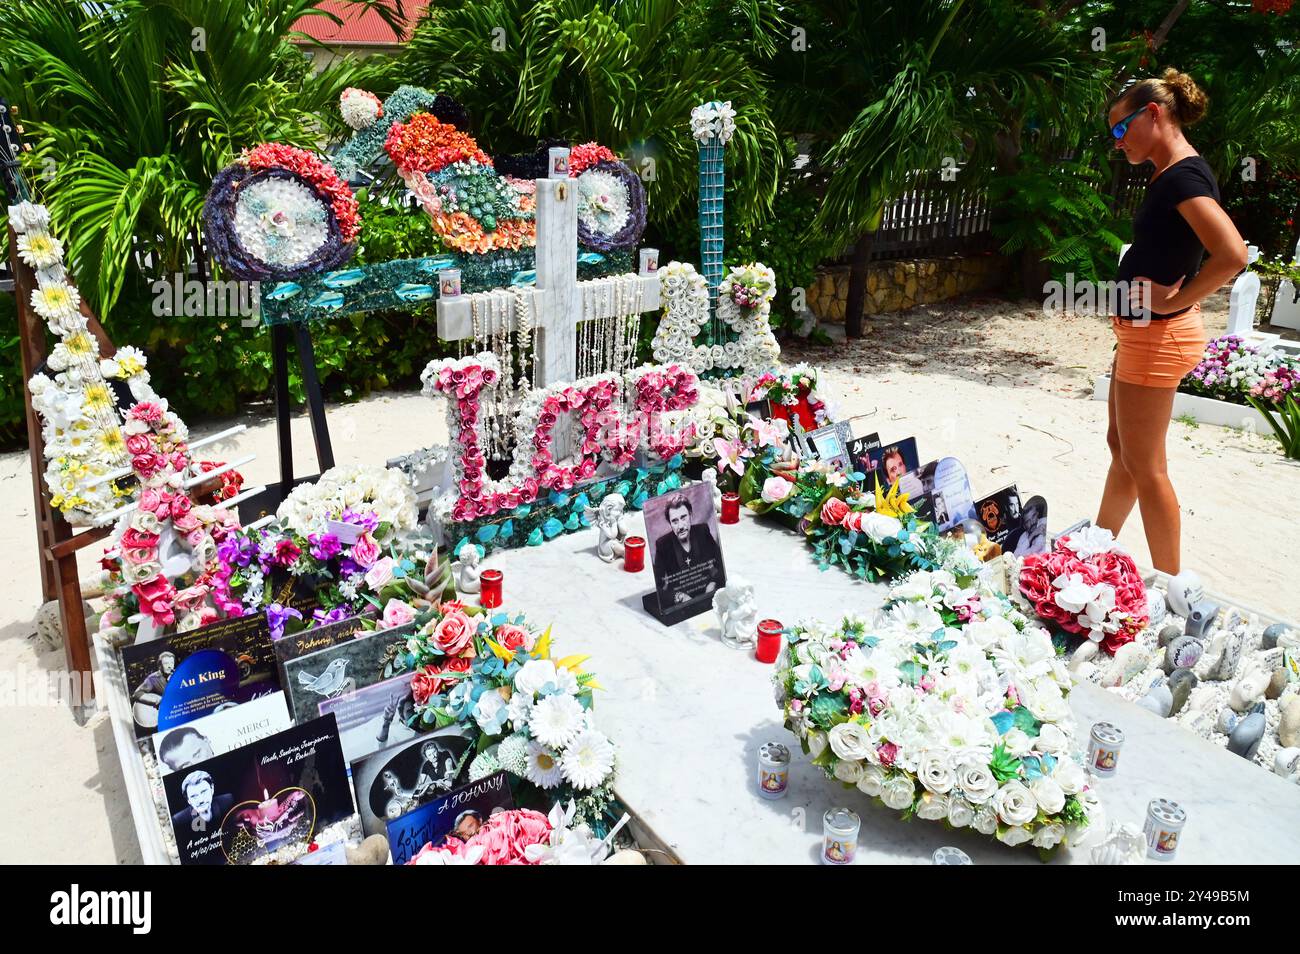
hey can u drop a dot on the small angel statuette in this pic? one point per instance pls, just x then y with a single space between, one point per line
611 525
466 569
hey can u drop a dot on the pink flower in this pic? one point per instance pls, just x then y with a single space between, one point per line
397 613
365 551
454 633
731 454
513 637
834 511
887 751
138 444
381 574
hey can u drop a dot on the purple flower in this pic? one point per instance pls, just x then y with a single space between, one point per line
324 546
367 520
320 617
277 616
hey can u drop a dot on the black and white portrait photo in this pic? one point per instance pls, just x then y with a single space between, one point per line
204 808
399 779
682 533
1033 523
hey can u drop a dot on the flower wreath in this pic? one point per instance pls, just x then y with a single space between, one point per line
947 705
146 554
607 431
611 205
661 391
280 212
472 208
745 305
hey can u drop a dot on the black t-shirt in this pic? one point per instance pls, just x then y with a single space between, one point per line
1165 248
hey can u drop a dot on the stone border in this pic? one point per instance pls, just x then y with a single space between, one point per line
1202 409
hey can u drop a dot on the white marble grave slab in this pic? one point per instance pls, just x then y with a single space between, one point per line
688 715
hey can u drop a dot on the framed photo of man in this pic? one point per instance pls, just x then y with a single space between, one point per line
685 553
830 444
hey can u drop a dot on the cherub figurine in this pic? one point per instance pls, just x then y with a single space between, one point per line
466 569
610 522
710 477
737 613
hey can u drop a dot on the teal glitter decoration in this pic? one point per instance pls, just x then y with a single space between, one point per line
712 184
401 284
542 521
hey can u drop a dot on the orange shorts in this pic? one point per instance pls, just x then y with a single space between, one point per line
1159 354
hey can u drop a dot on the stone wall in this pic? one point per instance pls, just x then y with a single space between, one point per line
894 286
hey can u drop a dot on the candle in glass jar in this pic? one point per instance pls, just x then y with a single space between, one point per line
490 589
449 283
731 508
559 163
649 261
634 554
840 836
769 641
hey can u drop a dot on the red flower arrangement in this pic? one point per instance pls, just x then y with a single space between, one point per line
1087 586
586 155
423 144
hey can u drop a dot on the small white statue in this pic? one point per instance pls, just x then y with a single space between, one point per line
1184 591
737 612
1124 845
710 477
611 524
1286 762
466 569
1249 687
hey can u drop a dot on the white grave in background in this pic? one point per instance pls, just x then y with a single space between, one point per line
1286 310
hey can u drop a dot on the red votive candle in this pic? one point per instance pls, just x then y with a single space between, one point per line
634 554
731 508
769 641
490 590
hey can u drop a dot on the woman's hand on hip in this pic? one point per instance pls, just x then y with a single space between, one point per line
1146 296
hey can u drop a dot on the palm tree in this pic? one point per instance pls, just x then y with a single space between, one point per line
624 73
137 104
888 90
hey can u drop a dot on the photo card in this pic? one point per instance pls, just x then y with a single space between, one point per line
223 731
178 678
272 794
345 667
685 553
458 814
393 781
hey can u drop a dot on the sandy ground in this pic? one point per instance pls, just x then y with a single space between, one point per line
1006 390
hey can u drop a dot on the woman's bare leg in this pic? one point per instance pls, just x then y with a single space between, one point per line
1121 493
1142 419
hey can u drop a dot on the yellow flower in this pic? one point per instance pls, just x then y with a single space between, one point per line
78 345
98 398
111 442
892 504
130 367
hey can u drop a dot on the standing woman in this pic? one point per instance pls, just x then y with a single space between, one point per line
1178 222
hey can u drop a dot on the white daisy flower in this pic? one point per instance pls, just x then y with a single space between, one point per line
40 249
588 760
543 767
556 720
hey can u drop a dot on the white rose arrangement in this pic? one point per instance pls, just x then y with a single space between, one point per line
946 703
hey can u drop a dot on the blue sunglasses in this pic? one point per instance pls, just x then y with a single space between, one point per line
1120 129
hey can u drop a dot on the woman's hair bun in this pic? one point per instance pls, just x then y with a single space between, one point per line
1189 100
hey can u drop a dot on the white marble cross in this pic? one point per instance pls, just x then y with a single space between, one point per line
556 306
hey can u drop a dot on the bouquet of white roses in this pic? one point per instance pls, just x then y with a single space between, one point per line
945 703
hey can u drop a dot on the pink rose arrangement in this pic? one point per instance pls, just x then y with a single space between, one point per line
504 839
597 402
1086 585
